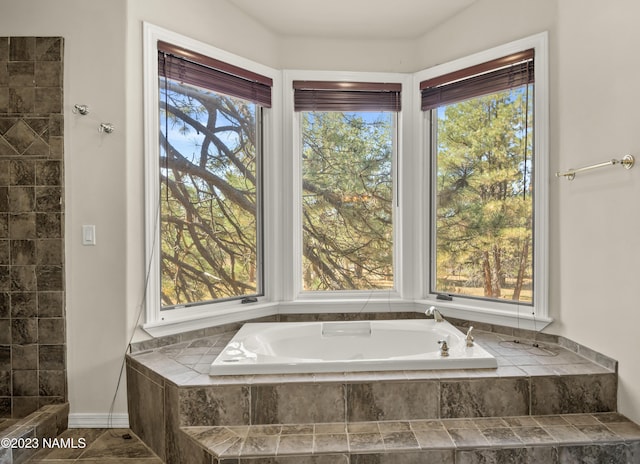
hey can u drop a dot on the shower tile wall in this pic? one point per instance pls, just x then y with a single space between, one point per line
32 323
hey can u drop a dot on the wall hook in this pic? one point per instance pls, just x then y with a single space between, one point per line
81 109
106 127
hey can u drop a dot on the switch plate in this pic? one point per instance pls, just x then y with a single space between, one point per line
89 235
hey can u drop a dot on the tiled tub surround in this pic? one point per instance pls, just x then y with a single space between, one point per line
552 403
32 332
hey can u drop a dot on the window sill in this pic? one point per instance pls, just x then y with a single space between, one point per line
524 319
228 315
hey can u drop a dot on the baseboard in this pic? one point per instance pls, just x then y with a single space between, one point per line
98 421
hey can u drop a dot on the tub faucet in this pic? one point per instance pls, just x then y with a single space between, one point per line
469 337
433 312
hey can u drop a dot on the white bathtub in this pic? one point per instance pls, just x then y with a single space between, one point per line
308 347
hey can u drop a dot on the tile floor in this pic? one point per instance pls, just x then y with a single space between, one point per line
101 446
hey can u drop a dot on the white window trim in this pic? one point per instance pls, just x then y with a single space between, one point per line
497 312
293 291
180 319
282 239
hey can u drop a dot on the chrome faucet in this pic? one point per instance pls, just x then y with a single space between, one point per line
469 337
444 348
433 312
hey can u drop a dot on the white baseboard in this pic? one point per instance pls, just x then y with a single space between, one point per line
99 421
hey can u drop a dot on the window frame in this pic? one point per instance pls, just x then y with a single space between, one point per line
158 322
307 301
533 316
282 220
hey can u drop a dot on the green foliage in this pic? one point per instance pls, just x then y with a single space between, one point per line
347 200
484 197
208 196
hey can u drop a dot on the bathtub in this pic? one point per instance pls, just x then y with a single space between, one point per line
354 346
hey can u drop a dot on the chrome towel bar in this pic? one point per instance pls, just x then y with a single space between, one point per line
628 161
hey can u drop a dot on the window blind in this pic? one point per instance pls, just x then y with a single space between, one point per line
493 76
346 96
193 68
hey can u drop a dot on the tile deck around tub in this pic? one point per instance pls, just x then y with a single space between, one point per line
187 363
557 434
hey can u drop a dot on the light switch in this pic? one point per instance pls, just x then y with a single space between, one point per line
88 235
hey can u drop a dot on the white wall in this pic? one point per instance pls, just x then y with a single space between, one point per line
94 34
594 219
599 216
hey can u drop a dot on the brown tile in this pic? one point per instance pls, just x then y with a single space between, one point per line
399 440
48 100
216 439
329 427
416 457
22 172
567 434
573 394
25 383
145 401
48 225
22 48
502 436
88 436
50 252
430 439
49 48
21 73
533 435
49 172
362 442
24 304
468 438
363 427
24 331
22 225
331 443
262 445
295 444
484 398
25 357
597 433
626 430
392 401
51 357
20 136
224 405
51 331
22 199
546 455
262 429
297 429
52 383
394 426
48 74
4 48
113 445
51 304
289 403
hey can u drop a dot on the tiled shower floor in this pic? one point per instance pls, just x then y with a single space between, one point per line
103 446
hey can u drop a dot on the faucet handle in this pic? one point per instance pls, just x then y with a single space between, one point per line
469 337
444 348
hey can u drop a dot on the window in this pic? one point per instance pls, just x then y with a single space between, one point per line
210 181
484 164
348 132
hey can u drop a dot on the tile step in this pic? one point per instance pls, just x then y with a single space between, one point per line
549 439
